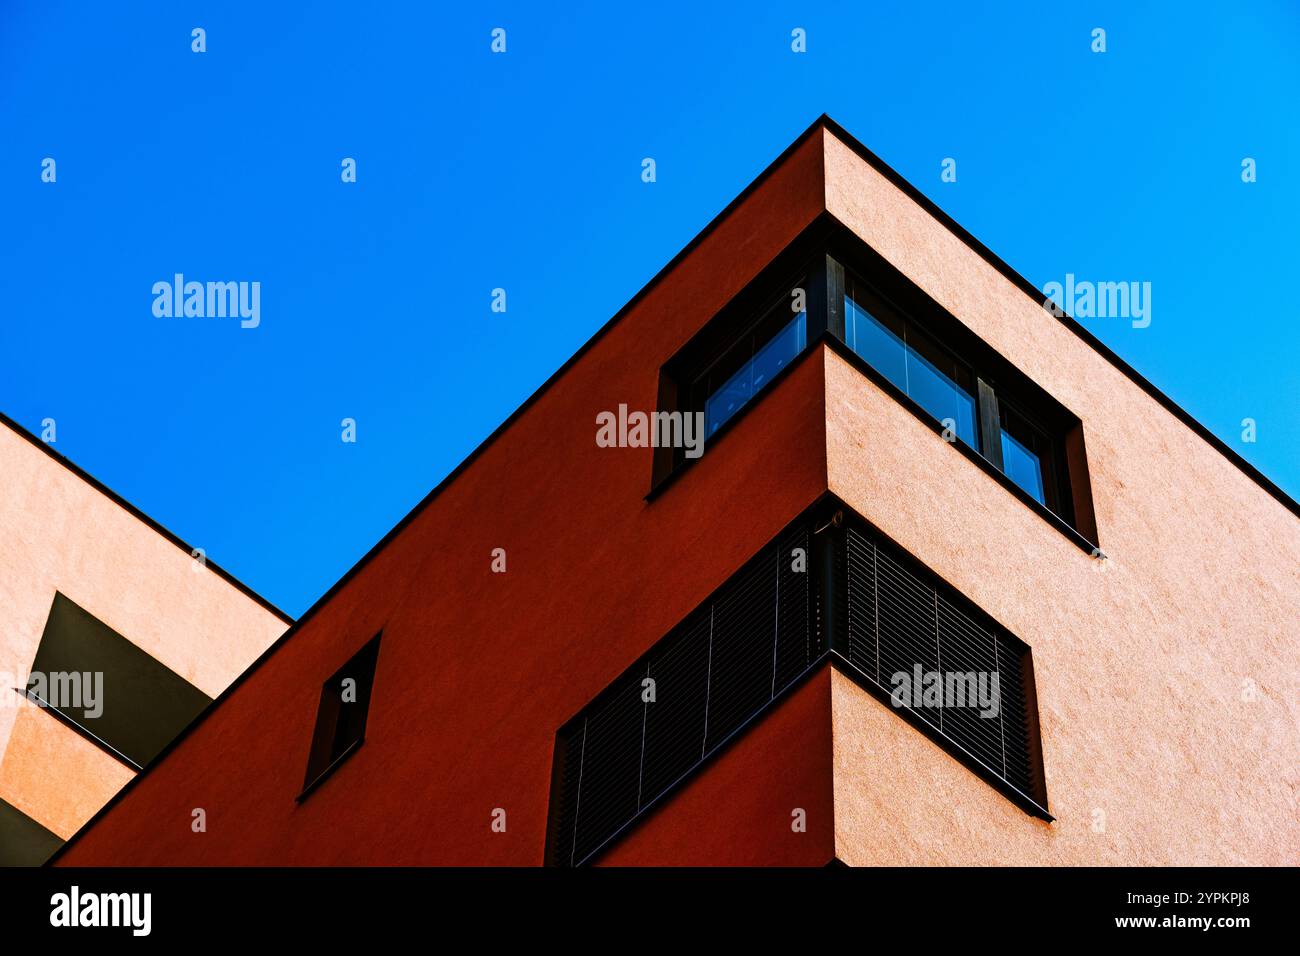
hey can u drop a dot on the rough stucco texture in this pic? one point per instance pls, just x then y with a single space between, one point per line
1167 676
59 533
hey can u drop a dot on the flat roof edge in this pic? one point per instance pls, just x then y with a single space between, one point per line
1067 320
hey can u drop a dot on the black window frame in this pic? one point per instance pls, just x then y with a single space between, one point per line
799 266
992 389
334 739
828 259
772 319
877 304
1050 453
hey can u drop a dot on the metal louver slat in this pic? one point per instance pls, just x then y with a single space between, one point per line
901 617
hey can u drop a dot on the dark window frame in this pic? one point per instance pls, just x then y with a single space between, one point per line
878 306
993 388
1050 453
1034 800
1069 507
334 740
771 321
800 265
827 257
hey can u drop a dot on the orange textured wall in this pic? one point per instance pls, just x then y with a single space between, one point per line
55 775
1168 686
60 533
478 670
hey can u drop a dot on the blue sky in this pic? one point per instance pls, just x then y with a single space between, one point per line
522 171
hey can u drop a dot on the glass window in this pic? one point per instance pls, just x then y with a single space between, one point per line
1022 466
778 353
728 399
880 344
751 364
1026 456
907 357
932 379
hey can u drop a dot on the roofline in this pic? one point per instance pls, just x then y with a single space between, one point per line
451 476
136 513
822 122
1067 320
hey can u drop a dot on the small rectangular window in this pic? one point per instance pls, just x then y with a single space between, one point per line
341 715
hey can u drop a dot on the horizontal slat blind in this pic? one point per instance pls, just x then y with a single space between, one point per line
713 673
899 617
753 638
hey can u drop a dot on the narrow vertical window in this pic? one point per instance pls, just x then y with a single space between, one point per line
1028 457
341 715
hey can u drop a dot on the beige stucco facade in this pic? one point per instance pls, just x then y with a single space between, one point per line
1168 676
60 532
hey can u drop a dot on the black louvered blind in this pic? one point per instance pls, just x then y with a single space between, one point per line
765 627
722 666
899 617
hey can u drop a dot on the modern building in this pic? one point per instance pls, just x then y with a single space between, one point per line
113 636
593 644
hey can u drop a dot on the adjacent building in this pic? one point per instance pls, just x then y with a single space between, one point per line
949 584
114 635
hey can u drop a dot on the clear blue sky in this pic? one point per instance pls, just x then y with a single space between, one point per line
523 171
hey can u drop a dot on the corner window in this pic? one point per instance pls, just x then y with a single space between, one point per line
962 384
898 349
735 358
749 364
341 715
828 285
861 602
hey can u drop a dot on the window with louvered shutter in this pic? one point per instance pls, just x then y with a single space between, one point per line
900 616
732 657
724 665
